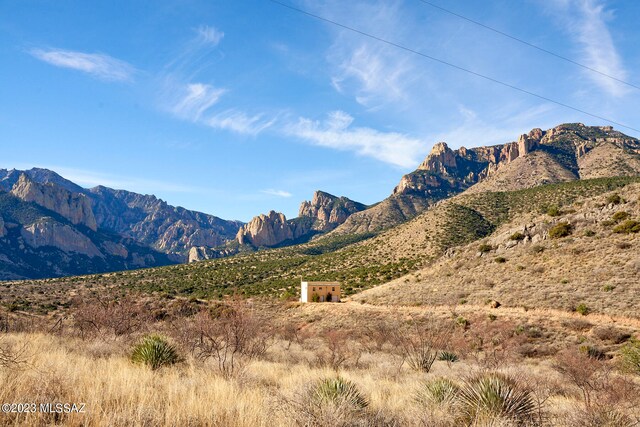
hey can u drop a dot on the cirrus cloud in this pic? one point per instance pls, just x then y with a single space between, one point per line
98 65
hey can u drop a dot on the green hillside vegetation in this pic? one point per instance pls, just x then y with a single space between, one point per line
359 261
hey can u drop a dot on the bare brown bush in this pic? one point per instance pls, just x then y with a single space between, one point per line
104 316
419 344
230 335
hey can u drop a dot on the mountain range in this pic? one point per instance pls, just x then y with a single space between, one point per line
50 226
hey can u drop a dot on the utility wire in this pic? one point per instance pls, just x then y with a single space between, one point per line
524 42
466 70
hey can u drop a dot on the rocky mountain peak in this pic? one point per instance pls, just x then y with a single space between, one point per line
265 230
440 159
328 211
76 207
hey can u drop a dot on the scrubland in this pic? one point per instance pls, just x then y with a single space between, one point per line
257 363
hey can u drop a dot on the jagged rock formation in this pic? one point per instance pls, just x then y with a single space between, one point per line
323 213
328 211
155 223
564 153
48 232
267 230
75 207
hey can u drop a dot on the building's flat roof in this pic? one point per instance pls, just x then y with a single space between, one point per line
322 283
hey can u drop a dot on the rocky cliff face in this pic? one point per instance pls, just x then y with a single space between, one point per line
46 232
266 230
566 152
328 211
152 221
75 207
323 213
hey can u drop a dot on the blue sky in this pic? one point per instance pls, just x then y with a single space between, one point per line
235 108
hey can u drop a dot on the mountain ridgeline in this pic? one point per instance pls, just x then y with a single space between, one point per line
50 226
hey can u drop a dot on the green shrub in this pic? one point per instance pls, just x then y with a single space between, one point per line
553 211
614 199
339 392
155 352
517 236
500 260
448 356
315 298
484 248
608 288
620 215
589 233
629 226
561 229
582 309
630 357
491 396
441 391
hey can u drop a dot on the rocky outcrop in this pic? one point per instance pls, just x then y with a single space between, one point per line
153 222
266 230
61 236
566 152
75 207
328 211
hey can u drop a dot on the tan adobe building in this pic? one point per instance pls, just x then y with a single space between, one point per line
319 291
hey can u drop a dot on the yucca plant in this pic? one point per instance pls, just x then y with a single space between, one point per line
448 356
494 395
154 351
339 392
439 391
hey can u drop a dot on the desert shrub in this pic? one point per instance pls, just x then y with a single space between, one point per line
630 357
561 229
500 260
484 248
614 199
155 352
608 288
230 336
315 298
448 356
493 396
592 352
553 211
517 236
589 233
420 346
620 215
582 309
116 316
537 249
611 334
599 417
338 391
439 391
629 226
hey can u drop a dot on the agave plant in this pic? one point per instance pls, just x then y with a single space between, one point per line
339 392
155 352
439 391
494 395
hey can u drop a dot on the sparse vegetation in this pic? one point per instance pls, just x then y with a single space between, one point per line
629 226
582 309
562 229
630 357
517 236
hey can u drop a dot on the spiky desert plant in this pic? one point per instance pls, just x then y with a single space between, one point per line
154 351
448 356
494 395
439 391
630 357
340 392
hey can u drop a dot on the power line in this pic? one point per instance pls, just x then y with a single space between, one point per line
441 61
524 42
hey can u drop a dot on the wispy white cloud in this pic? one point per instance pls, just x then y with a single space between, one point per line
587 24
239 122
98 65
504 126
195 100
278 193
209 35
336 132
